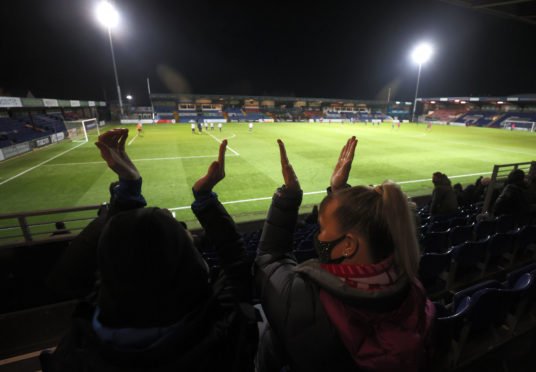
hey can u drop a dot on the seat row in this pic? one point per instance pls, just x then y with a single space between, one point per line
485 316
472 260
439 236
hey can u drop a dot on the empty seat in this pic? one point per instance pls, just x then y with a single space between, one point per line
467 262
498 245
483 229
504 223
435 242
460 234
433 271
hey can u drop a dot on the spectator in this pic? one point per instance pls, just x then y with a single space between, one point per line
512 199
156 309
359 306
443 197
61 229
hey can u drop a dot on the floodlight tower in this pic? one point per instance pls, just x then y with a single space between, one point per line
420 55
108 17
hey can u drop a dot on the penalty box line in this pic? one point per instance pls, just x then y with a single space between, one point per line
220 141
42 163
324 191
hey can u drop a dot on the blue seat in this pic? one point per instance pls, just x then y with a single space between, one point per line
468 292
511 277
522 291
487 311
501 243
460 234
435 242
437 226
432 271
504 223
483 229
526 238
458 221
468 261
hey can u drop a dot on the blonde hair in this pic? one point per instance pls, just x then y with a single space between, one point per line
383 216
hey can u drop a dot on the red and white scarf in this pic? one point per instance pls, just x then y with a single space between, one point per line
368 277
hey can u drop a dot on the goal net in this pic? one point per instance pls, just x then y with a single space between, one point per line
528 126
81 130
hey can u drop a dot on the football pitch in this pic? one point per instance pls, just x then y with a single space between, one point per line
170 159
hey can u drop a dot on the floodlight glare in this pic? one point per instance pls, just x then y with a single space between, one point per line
422 53
129 97
107 15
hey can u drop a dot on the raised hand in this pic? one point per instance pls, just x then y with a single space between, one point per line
112 148
291 181
215 173
339 178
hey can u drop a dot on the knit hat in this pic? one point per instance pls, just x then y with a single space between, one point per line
151 273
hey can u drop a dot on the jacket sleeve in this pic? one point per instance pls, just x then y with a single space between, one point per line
235 275
288 299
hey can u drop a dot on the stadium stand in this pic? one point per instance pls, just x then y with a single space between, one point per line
514 116
445 116
480 118
235 114
19 130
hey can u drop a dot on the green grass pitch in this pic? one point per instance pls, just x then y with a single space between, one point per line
170 159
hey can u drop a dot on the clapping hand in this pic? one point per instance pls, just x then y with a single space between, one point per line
112 148
215 173
291 181
341 172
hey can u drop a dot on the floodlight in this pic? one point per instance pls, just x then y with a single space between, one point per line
107 15
422 53
129 97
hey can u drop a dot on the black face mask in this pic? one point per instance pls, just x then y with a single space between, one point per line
323 249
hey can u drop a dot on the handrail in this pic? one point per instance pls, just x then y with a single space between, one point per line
27 237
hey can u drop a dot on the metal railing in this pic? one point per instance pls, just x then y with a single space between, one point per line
499 176
16 229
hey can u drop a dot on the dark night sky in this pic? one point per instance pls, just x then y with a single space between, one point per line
336 49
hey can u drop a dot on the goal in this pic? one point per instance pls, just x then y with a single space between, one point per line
80 130
512 124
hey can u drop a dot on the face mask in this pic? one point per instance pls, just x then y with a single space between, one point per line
323 249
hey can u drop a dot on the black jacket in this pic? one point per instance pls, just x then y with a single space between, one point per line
219 335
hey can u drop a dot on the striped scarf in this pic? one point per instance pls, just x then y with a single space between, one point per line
368 277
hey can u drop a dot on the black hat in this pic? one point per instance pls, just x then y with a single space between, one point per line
151 273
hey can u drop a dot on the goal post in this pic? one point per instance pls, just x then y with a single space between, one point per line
80 130
513 124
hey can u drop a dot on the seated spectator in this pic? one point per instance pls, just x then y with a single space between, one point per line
155 308
512 199
61 229
359 306
443 197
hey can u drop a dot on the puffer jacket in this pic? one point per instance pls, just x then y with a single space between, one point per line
319 323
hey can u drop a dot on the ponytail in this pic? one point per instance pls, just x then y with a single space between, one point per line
401 223
382 215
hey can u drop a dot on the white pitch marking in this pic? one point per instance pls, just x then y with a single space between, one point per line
38 165
148 159
132 140
236 153
323 191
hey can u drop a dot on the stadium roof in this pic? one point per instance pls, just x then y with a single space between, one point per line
520 10
524 98
226 97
